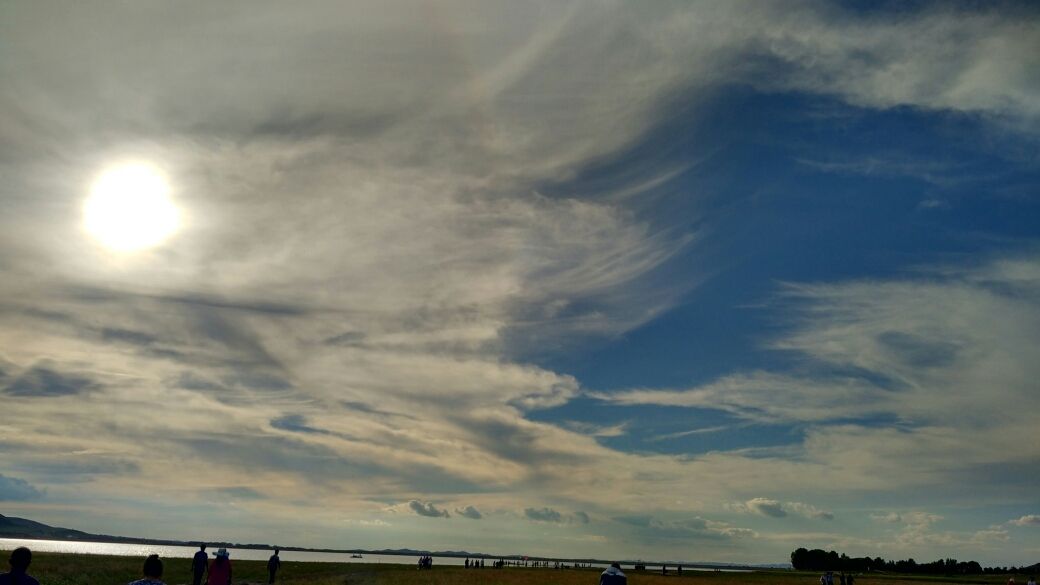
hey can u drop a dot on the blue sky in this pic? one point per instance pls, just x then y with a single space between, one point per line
708 281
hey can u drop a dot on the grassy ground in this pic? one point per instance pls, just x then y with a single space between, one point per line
73 569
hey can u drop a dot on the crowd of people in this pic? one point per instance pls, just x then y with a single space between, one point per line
843 579
215 572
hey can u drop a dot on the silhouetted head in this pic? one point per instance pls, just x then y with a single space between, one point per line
20 559
202 547
616 565
153 567
275 552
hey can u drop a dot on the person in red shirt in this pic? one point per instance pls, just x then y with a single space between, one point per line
220 569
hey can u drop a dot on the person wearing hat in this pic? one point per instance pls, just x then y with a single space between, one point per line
220 569
19 560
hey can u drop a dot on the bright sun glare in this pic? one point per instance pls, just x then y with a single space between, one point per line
129 208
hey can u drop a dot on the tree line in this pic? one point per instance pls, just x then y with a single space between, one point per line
820 560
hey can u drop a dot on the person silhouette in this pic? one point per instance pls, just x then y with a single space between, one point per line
19 560
153 570
273 564
198 565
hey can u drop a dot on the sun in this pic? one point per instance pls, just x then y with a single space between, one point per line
129 208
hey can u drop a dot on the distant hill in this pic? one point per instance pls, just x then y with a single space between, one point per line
11 527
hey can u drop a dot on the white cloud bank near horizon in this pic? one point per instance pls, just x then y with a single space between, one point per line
329 344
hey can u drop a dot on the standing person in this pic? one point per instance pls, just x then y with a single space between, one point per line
613 576
198 565
850 580
153 570
220 569
1032 581
273 564
20 559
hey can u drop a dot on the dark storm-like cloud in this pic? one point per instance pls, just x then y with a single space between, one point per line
43 381
13 489
543 515
427 509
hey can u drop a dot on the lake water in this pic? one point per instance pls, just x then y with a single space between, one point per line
170 551
249 554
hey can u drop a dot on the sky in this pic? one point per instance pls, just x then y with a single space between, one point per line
703 281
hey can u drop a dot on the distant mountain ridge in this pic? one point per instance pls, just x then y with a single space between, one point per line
11 527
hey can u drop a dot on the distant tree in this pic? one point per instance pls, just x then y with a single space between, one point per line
816 559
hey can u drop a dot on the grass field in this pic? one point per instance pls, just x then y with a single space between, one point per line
75 569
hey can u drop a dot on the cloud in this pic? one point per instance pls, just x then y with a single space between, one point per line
809 511
885 366
469 512
767 507
581 517
777 509
43 381
239 493
1027 520
890 517
13 489
543 515
427 509
695 528
597 430
375 244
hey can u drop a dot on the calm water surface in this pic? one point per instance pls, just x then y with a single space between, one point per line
143 550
